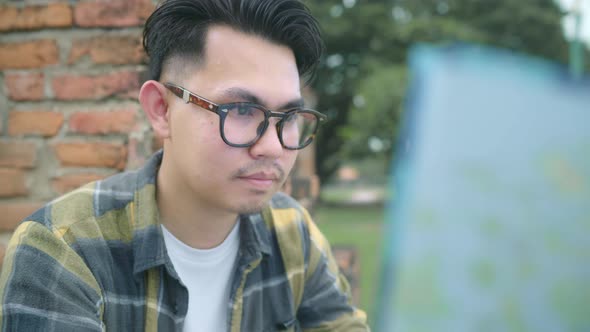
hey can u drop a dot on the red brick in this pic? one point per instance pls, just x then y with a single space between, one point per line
12 213
13 182
131 93
29 54
25 86
107 13
55 15
63 184
109 50
76 87
8 17
97 154
92 123
39 122
18 154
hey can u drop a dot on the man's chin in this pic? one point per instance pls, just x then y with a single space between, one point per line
251 207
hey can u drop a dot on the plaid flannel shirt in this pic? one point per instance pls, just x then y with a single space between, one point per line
95 260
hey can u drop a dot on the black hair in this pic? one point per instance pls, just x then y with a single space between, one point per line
178 28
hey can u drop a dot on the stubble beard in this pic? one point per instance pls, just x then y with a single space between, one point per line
256 207
251 209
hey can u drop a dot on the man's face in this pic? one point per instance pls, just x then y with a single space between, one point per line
237 67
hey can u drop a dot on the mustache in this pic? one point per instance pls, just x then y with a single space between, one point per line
260 166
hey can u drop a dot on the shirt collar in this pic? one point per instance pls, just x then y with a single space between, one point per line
148 243
255 236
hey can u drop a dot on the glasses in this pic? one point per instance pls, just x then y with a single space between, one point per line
242 124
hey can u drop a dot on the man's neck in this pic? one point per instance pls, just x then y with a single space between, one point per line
189 219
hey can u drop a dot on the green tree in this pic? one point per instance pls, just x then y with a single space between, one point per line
362 81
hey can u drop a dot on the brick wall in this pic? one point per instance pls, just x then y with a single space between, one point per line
70 72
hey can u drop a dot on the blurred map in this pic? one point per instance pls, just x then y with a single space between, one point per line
490 226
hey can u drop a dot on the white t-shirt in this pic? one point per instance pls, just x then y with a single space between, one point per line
207 276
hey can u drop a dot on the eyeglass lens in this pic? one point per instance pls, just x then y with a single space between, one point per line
243 125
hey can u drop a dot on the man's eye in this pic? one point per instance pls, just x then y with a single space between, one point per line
245 110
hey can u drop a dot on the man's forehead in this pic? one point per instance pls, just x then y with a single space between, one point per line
245 94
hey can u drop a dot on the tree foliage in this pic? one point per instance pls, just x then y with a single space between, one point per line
361 83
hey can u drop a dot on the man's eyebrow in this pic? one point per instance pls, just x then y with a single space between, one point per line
245 95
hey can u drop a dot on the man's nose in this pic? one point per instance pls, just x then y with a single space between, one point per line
269 144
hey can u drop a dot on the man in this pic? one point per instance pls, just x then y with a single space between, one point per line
198 239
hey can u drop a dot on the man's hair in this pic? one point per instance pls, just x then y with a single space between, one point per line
178 29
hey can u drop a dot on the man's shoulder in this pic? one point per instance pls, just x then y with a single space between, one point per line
99 198
284 209
87 203
287 218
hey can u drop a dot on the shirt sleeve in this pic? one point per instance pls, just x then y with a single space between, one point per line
45 285
327 302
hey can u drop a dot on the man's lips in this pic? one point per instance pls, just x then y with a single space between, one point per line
261 176
260 180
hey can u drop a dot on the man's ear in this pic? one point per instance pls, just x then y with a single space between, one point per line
152 97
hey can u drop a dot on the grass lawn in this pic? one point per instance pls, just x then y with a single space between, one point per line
359 227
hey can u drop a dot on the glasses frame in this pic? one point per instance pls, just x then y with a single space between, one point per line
221 110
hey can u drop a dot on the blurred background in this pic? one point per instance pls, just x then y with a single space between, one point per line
70 72
362 85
